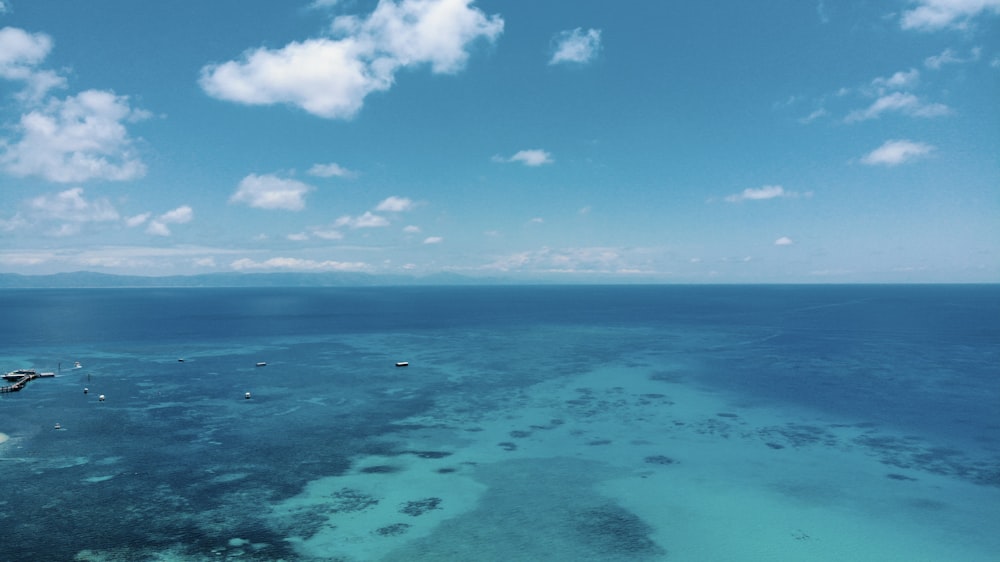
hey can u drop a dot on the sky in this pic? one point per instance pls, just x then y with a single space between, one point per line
724 141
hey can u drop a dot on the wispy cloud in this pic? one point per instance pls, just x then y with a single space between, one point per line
949 56
589 260
932 15
331 77
576 46
297 264
533 157
137 220
271 192
898 102
330 170
367 220
395 205
159 225
896 152
71 205
433 240
761 194
902 80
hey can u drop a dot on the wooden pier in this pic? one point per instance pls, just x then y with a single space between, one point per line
21 378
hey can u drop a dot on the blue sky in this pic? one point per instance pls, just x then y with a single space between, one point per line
722 141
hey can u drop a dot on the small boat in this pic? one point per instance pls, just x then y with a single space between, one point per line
261 364
57 426
77 365
402 363
181 360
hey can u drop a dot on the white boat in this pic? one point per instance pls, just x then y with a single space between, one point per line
261 364
402 363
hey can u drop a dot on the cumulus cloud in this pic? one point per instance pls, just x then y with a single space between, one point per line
271 192
576 46
20 53
783 241
898 102
932 15
331 76
76 139
296 264
395 205
433 240
367 220
532 157
330 170
760 194
180 215
896 152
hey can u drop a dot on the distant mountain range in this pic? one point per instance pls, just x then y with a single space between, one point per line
87 279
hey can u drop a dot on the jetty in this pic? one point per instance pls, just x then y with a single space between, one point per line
20 378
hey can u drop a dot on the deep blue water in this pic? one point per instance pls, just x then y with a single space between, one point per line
177 461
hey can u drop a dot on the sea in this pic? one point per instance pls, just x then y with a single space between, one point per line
530 423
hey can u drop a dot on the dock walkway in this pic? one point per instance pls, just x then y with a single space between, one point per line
21 379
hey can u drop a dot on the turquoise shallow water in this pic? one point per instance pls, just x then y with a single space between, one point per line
555 423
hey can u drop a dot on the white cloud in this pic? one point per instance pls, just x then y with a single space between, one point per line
157 228
180 215
367 220
325 234
298 237
330 77
761 193
76 139
411 229
816 114
395 205
931 15
20 53
271 192
71 205
572 260
330 170
137 220
433 240
783 241
947 56
898 102
576 46
896 152
532 157
296 264
899 81
14 223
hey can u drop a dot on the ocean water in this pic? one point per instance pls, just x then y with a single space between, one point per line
819 423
